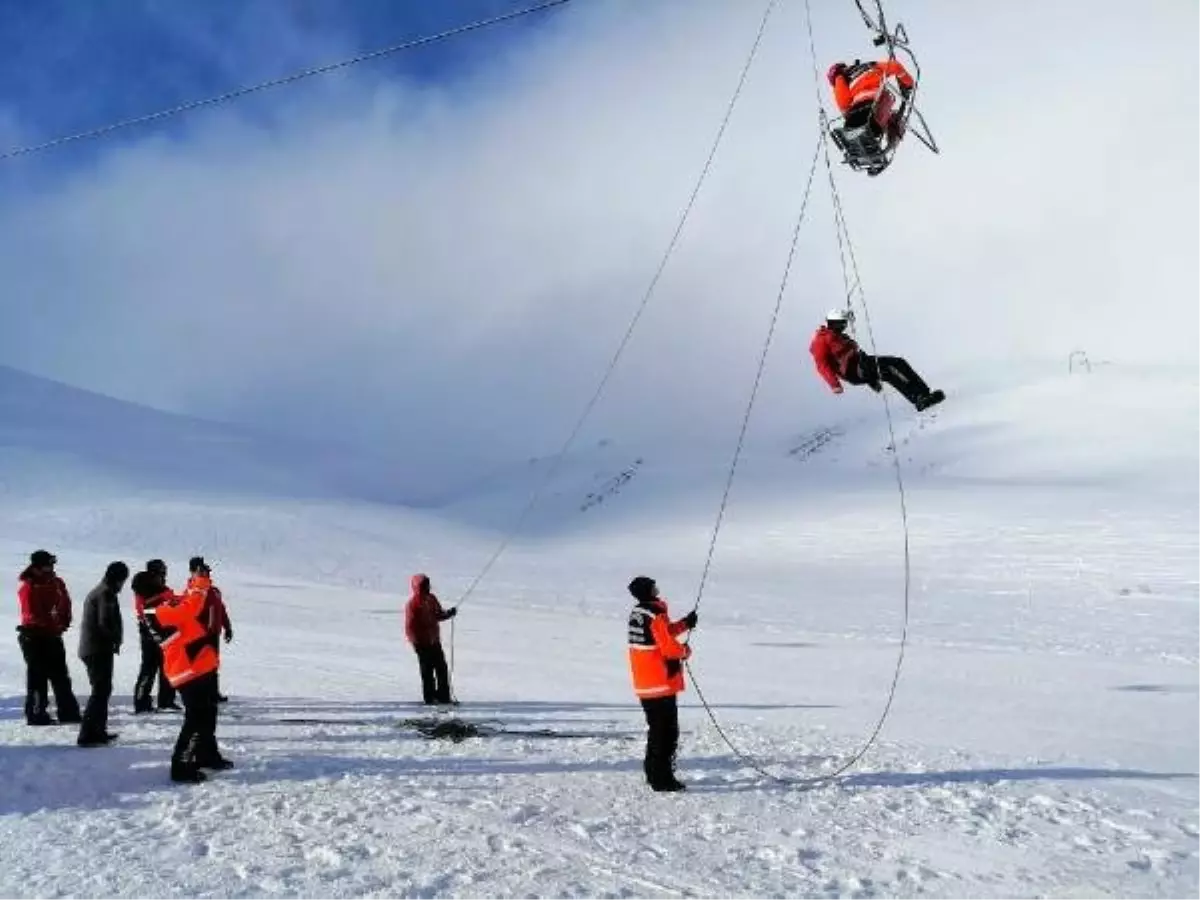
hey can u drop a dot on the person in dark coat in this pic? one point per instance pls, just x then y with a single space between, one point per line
100 636
149 590
45 614
422 618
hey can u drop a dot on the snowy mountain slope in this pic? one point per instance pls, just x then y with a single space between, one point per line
56 439
1043 739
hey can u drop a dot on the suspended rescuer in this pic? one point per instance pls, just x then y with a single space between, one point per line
838 356
423 616
187 630
45 615
656 665
858 91
100 635
149 590
220 617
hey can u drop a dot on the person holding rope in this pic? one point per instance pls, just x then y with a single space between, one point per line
656 665
838 356
423 616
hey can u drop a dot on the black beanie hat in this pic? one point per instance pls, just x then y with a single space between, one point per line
116 572
642 588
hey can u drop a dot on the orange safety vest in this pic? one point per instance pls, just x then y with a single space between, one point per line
866 81
189 645
654 654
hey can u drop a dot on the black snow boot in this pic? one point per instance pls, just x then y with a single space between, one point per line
185 773
668 787
933 398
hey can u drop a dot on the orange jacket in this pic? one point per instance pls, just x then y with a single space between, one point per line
861 83
190 632
655 657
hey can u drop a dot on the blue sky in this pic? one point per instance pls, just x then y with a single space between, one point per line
71 65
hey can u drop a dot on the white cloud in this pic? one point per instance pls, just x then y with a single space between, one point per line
448 270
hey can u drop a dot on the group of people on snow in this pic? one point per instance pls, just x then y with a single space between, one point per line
180 636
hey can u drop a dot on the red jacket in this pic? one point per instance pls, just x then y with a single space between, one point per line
423 614
44 603
833 354
220 615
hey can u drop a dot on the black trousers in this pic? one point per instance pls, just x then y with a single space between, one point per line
197 741
95 714
152 667
662 739
435 676
893 370
46 667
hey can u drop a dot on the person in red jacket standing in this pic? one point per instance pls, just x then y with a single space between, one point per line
45 615
839 358
423 616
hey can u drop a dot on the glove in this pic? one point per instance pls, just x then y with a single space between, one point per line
452 612
674 667
875 386
229 635
691 619
905 91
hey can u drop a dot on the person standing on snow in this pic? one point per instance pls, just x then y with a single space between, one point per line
220 618
656 665
187 630
100 635
45 614
838 356
149 590
422 626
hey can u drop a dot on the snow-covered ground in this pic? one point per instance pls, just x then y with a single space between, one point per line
1044 738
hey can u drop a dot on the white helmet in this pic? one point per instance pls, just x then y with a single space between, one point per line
840 315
